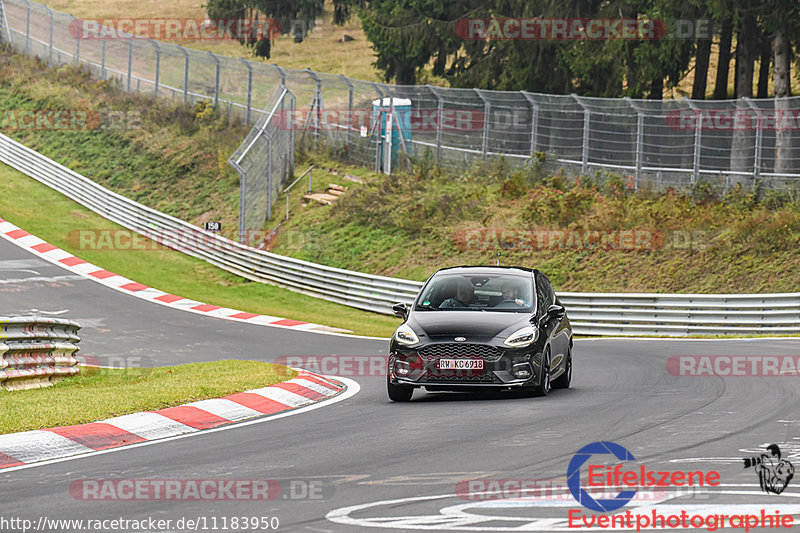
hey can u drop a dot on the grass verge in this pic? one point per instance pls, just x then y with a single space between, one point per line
97 394
51 216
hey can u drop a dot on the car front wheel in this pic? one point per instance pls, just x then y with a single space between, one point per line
544 382
398 393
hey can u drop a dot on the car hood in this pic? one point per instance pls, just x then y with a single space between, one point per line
472 325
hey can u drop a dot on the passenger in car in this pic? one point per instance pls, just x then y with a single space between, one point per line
463 298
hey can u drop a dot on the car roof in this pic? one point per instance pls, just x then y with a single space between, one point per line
478 269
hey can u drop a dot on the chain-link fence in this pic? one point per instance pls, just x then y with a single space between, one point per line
653 143
264 161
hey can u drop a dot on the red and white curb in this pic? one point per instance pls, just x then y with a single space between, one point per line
56 255
19 449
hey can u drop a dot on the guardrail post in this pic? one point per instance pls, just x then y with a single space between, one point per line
249 89
585 147
216 79
759 138
158 66
349 107
487 109
185 74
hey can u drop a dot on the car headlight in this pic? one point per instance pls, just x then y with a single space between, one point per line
406 335
522 337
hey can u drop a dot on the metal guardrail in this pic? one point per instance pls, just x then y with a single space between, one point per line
590 313
36 351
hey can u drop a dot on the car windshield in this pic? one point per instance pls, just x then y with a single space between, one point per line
477 292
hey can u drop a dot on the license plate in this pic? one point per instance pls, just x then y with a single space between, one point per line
460 364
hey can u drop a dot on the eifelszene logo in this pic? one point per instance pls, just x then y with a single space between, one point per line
605 477
774 473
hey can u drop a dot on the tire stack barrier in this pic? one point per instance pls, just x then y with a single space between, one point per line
37 351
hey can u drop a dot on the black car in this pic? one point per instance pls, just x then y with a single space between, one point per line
474 327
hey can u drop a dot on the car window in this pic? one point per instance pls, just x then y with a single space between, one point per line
544 291
476 292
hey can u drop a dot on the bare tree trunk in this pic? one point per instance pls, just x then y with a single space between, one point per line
743 142
723 64
763 69
783 137
701 69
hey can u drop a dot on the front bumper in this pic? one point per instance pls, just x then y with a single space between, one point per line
502 367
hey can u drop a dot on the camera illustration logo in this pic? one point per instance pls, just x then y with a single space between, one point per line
580 494
774 473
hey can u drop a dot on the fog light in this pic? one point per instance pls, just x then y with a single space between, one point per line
522 370
402 368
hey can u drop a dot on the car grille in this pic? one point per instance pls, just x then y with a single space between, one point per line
453 349
488 377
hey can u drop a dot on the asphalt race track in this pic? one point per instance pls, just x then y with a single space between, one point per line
362 453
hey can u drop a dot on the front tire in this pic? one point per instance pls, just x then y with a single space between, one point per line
399 393
563 381
544 382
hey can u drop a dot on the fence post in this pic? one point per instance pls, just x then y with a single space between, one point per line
487 108
216 79
130 62
759 138
292 137
440 112
50 42
317 102
242 201
281 73
534 121
639 142
28 28
158 66
349 107
378 136
585 147
77 41
103 61
249 89
4 24
698 139
270 177
185 74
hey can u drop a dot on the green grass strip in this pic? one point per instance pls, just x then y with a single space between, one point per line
51 216
97 394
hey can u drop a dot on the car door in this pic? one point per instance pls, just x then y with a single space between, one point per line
556 328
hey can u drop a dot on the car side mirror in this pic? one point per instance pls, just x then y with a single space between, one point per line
400 310
554 311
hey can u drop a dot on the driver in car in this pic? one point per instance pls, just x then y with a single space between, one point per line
464 295
511 294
